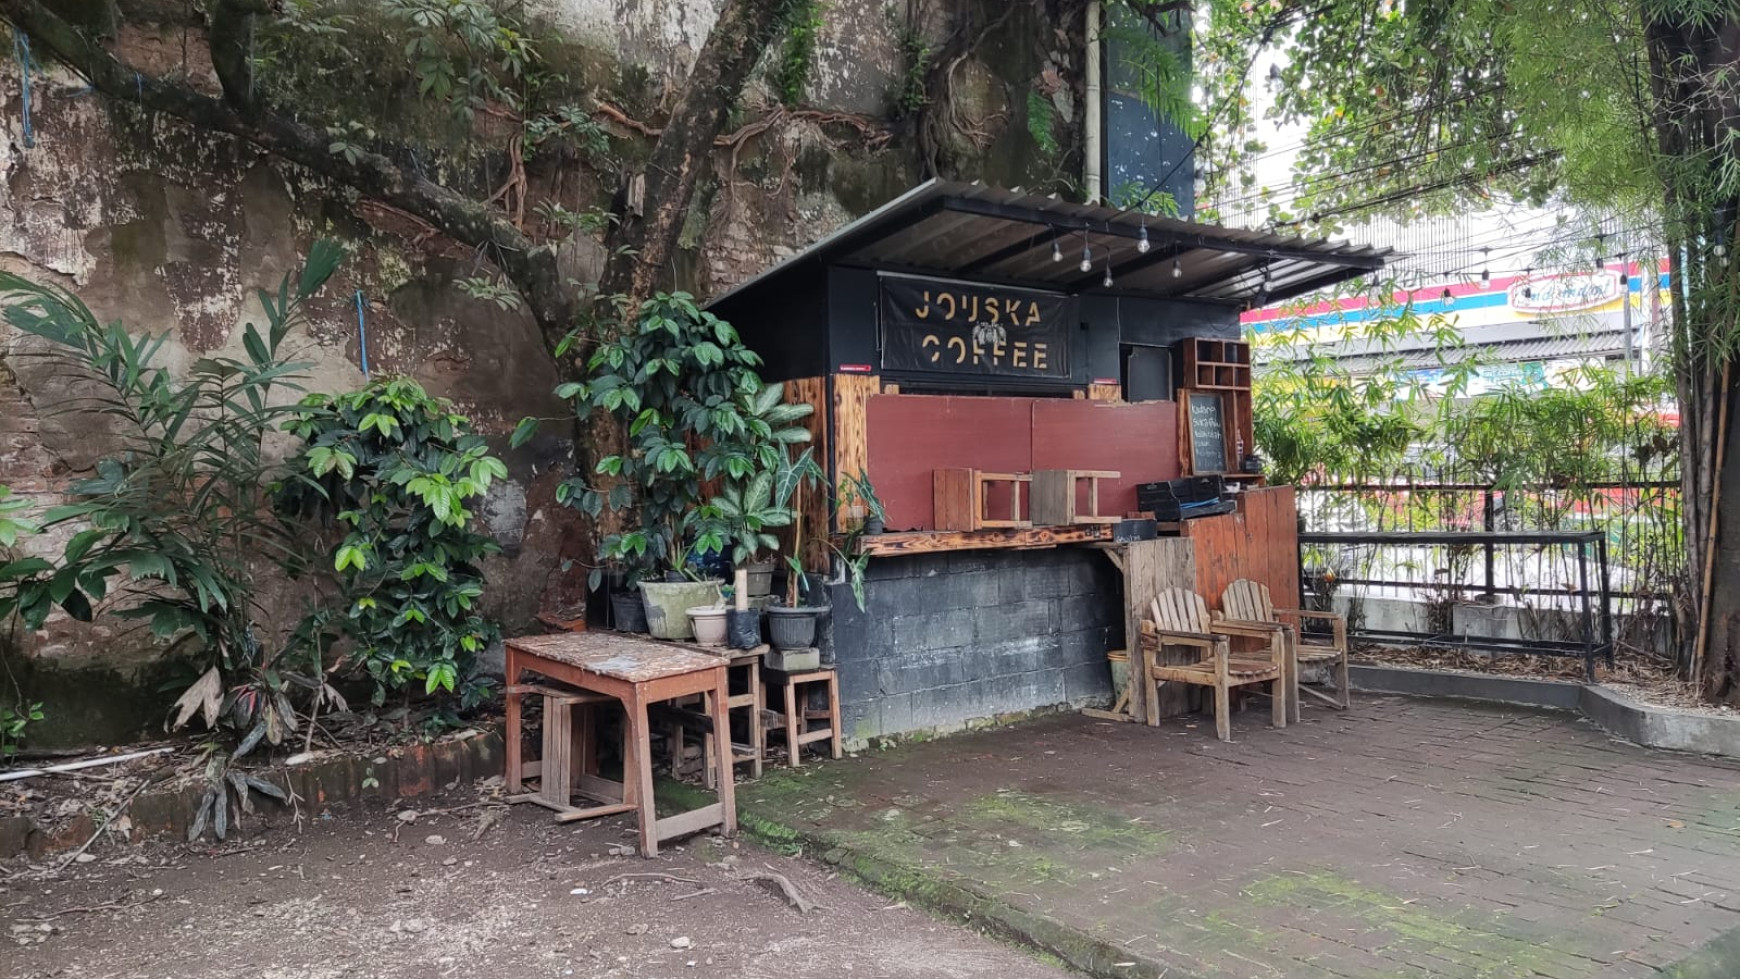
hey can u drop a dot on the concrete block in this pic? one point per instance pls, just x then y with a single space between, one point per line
1045 581
973 589
1087 646
905 566
1087 684
1089 611
1023 620
931 630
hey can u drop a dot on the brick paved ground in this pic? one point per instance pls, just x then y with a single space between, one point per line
1404 839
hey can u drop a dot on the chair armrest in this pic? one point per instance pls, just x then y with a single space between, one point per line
1247 628
1305 614
1203 639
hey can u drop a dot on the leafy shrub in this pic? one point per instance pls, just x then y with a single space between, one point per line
397 468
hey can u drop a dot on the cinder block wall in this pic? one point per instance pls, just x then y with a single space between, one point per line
946 639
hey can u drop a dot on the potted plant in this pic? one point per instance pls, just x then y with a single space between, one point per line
675 384
747 509
708 623
857 492
793 626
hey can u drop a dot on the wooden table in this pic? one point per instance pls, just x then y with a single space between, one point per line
637 672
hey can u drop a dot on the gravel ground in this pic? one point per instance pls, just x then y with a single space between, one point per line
349 896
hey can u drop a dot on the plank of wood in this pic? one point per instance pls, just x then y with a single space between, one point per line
1053 502
693 821
931 541
953 500
1150 567
812 391
850 427
1105 392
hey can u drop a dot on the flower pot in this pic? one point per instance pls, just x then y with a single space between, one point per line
668 603
709 623
760 580
873 526
630 614
793 628
743 629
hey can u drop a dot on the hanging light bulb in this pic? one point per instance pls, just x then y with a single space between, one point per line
1449 300
1107 281
1142 238
1485 273
1528 286
1087 256
1177 270
1600 245
1056 251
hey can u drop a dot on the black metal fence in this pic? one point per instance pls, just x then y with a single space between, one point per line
1543 592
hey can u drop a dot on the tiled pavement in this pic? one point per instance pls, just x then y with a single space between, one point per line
1402 839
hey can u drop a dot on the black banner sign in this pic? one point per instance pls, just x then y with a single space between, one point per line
957 328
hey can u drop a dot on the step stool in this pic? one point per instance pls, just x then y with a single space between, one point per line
797 714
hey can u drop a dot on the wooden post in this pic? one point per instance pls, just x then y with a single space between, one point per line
851 442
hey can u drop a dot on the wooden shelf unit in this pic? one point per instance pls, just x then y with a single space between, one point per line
1216 365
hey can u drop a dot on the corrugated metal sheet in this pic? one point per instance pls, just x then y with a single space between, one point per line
969 230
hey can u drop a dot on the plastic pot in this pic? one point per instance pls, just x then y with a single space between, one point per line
760 580
708 622
743 629
668 603
793 628
630 613
873 526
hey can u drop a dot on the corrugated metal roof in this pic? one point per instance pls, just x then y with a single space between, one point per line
1507 342
972 231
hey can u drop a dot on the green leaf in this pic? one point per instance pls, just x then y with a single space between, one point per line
523 432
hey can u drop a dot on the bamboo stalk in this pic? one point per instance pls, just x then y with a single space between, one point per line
1721 448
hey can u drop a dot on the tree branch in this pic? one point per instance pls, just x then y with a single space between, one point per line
532 268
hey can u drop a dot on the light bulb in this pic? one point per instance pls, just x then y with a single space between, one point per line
1485 279
1142 240
1177 270
1449 300
1056 251
1107 281
1087 259
1600 264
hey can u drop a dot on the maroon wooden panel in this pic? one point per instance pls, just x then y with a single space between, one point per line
1259 541
910 435
1138 440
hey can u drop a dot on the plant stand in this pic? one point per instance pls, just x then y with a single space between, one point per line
797 716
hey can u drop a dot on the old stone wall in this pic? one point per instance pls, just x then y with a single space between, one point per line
170 231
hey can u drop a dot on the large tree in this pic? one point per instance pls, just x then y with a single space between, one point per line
469 56
1620 107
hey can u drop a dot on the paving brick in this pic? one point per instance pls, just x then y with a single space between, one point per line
1402 838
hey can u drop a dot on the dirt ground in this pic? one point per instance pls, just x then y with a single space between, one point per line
347 896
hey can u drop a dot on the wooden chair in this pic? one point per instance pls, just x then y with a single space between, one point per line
1181 618
1246 599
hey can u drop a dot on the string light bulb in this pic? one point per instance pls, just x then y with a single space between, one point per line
1485 273
1107 281
1177 270
1056 251
1600 260
1142 238
1528 283
1449 300
1087 255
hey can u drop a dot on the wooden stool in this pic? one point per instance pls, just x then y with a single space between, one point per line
960 499
1054 496
748 660
797 715
568 763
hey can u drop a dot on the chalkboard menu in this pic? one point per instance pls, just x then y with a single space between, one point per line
1208 433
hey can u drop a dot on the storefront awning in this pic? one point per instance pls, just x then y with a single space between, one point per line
987 234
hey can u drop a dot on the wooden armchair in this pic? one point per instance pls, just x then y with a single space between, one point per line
1181 619
1246 599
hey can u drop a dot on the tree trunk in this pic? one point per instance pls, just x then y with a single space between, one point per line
1697 114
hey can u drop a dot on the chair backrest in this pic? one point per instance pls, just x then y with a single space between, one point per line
1248 600
1180 610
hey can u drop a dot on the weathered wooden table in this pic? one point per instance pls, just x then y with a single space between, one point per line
637 672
